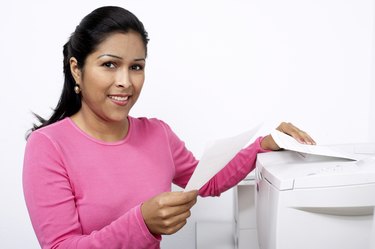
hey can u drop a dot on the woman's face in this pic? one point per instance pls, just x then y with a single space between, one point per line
112 77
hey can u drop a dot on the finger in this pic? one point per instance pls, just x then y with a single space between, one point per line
177 219
169 212
174 229
178 198
300 135
175 223
307 139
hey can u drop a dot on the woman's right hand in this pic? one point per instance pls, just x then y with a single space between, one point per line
167 212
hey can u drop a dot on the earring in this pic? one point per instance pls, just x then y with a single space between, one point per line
77 89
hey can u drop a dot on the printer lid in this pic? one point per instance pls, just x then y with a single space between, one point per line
288 170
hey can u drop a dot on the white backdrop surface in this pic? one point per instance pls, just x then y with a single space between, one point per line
215 68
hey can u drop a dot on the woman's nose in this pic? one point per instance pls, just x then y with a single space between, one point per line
123 79
124 84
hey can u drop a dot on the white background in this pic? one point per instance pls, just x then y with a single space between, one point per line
215 69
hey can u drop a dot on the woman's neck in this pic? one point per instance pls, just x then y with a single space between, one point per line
101 129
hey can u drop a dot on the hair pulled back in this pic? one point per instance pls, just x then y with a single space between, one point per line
92 30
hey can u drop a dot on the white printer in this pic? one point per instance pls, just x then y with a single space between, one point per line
316 202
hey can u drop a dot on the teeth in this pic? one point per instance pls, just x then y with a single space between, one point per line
118 98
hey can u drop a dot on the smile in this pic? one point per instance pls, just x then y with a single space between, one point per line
119 98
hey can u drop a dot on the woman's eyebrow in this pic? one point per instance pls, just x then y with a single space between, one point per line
118 57
110 55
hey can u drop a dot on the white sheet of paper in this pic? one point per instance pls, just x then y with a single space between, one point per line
289 143
216 156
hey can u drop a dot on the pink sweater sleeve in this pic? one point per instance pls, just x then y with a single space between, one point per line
48 192
234 172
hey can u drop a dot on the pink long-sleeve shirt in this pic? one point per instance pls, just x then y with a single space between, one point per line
85 193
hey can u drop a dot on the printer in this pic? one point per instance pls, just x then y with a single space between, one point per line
316 202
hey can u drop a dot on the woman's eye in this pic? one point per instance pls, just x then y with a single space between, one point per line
136 67
109 64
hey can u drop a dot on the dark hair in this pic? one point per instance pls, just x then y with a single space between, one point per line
92 30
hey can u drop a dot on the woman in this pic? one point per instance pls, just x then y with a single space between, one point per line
95 177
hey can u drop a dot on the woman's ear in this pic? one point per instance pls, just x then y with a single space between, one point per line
74 69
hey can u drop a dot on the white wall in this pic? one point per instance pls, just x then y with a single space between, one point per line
215 68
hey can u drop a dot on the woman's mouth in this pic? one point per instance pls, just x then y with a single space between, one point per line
119 100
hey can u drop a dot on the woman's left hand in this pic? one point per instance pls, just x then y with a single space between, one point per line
288 128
